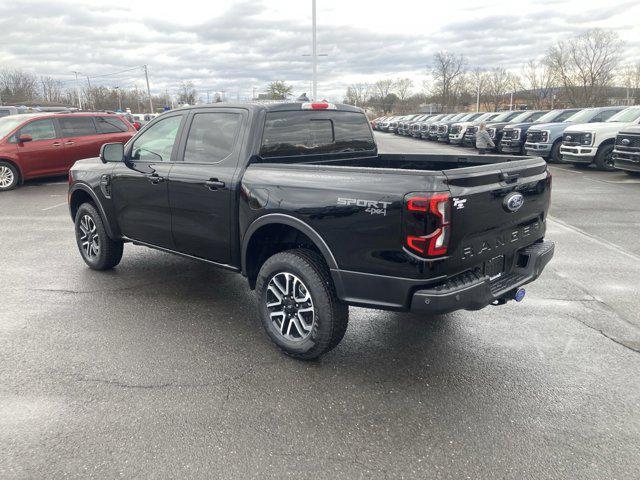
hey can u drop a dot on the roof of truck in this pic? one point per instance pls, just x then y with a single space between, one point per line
275 106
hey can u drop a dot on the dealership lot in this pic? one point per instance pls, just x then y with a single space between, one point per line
160 367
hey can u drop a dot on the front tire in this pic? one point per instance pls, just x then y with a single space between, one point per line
9 176
298 304
97 249
604 159
555 156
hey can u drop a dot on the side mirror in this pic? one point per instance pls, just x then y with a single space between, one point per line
112 152
24 138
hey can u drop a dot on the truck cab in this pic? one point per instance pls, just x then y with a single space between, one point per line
593 143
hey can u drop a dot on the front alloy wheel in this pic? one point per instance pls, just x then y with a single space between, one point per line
290 306
89 238
8 176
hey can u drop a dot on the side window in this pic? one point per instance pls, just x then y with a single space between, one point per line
212 137
603 116
156 143
39 130
77 126
110 125
4 112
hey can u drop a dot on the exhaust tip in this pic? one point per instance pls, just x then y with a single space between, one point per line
519 295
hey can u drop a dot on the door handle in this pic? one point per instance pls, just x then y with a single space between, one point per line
214 184
69 143
56 144
155 179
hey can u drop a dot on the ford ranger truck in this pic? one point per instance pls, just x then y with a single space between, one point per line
545 139
297 198
592 143
626 153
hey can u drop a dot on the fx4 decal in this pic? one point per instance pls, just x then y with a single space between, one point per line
459 203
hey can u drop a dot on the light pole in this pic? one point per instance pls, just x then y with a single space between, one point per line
117 89
78 91
314 52
146 76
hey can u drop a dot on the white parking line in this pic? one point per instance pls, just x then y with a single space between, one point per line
54 206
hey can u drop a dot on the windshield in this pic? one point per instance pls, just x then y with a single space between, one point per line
549 117
505 116
467 117
583 116
7 124
485 116
627 115
526 116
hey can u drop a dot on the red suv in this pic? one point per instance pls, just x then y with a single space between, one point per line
47 144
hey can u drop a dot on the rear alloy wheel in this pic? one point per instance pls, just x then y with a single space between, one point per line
8 176
604 159
298 304
98 251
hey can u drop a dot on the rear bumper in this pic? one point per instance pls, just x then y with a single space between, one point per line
467 291
477 291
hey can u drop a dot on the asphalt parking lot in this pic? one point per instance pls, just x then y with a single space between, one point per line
160 369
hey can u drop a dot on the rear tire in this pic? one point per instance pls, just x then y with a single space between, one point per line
97 249
298 305
9 176
604 160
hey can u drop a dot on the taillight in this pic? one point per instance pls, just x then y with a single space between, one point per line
427 223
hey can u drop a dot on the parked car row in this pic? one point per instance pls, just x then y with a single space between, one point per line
607 137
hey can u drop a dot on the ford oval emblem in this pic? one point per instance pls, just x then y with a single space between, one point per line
625 141
569 138
513 202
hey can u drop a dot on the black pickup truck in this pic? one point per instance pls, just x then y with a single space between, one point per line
296 197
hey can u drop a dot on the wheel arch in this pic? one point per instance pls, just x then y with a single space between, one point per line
81 193
289 232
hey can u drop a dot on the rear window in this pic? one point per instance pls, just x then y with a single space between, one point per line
110 125
77 126
288 134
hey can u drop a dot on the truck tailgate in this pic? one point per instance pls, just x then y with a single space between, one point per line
494 212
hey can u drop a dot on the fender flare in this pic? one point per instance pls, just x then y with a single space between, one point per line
85 188
281 218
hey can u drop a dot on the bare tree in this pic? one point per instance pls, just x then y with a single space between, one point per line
500 83
384 99
52 90
279 90
187 93
358 94
539 80
18 87
448 70
630 80
402 88
586 66
478 79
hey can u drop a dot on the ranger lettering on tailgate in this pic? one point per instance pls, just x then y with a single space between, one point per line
480 247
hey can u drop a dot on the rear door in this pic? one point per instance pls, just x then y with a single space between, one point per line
45 153
201 185
496 211
80 138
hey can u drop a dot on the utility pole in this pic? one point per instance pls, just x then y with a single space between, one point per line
478 98
146 76
314 92
117 89
78 91
511 102
93 107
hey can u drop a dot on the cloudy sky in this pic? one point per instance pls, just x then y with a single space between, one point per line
236 46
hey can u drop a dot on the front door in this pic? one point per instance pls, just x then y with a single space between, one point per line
139 187
45 153
200 186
